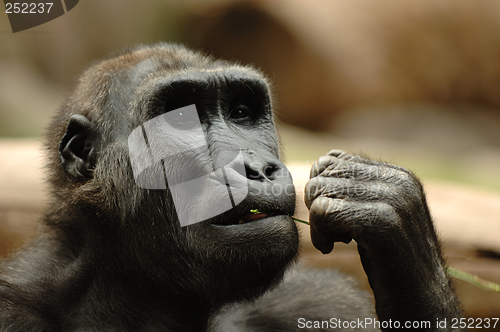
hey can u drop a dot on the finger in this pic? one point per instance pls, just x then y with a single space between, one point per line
322 238
314 187
355 167
322 241
363 172
330 160
337 153
354 190
328 187
342 155
331 215
338 161
366 161
337 217
321 164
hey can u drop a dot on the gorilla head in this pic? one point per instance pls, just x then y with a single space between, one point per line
130 234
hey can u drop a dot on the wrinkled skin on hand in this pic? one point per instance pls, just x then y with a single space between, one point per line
383 208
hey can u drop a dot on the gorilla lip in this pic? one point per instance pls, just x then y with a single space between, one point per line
252 217
247 218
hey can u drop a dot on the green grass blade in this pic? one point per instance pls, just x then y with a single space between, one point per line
300 220
473 279
459 274
255 211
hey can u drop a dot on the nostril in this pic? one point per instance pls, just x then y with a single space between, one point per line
252 173
269 171
260 171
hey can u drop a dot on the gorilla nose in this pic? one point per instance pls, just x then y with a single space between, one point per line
256 166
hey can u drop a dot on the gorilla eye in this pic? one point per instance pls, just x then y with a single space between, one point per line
182 119
240 111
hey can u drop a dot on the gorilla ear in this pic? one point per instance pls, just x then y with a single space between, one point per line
76 149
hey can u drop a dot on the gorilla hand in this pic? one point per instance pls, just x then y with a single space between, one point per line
383 208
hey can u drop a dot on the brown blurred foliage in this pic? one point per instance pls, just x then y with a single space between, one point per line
329 55
62 48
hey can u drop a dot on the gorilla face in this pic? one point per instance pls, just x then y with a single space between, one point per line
160 138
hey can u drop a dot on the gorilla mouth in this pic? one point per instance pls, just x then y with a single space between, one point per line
251 217
243 219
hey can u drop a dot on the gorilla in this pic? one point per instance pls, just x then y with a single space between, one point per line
155 163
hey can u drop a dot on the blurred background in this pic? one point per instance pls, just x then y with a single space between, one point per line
415 83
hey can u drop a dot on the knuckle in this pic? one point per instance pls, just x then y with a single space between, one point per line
321 164
388 213
337 153
314 188
407 183
325 208
380 216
